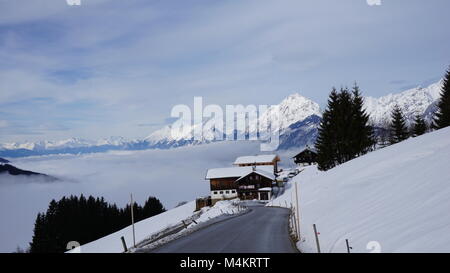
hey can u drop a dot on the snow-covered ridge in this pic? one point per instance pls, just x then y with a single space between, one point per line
292 109
413 102
61 144
296 117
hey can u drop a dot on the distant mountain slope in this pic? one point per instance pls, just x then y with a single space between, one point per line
3 161
396 198
11 170
300 134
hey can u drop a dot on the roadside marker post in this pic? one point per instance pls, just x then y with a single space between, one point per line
317 238
298 211
348 246
125 249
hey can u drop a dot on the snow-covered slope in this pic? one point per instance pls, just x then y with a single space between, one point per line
413 102
113 244
146 228
396 198
300 134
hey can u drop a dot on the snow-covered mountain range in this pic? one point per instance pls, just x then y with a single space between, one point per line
416 101
297 119
293 109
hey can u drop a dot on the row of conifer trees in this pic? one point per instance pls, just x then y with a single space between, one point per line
345 132
83 220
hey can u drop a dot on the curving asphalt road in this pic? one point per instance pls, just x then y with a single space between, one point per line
262 230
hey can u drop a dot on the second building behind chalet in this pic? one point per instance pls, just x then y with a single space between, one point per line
252 178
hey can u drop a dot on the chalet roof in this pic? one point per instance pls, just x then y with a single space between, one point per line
237 171
266 174
255 159
306 150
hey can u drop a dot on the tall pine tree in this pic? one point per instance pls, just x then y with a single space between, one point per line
420 127
442 116
398 129
325 145
362 134
344 132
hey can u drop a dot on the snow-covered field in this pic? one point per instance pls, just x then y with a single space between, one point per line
171 175
396 199
146 228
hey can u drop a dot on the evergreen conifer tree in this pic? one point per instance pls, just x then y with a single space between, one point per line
420 127
442 115
326 148
83 220
362 134
152 207
344 132
398 129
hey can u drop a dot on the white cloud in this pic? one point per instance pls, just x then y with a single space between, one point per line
141 58
170 175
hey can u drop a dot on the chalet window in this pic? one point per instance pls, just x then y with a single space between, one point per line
215 192
233 191
227 192
221 192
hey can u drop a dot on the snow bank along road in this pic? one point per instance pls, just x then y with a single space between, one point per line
262 230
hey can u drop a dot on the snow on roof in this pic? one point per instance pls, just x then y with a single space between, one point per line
260 172
255 159
265 189
238 171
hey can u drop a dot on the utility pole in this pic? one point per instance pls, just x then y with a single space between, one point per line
298 211
132 219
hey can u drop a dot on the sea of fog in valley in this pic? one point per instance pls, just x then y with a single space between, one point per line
171 175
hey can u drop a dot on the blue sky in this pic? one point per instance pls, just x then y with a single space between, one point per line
116 68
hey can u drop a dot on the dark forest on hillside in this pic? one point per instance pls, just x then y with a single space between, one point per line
84 220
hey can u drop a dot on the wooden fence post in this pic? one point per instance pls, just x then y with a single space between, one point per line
125 249
294 221
348 246
317 238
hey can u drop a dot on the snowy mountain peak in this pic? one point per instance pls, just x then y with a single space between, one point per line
292 109
415 101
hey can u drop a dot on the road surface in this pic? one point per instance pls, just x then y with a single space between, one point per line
262 230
